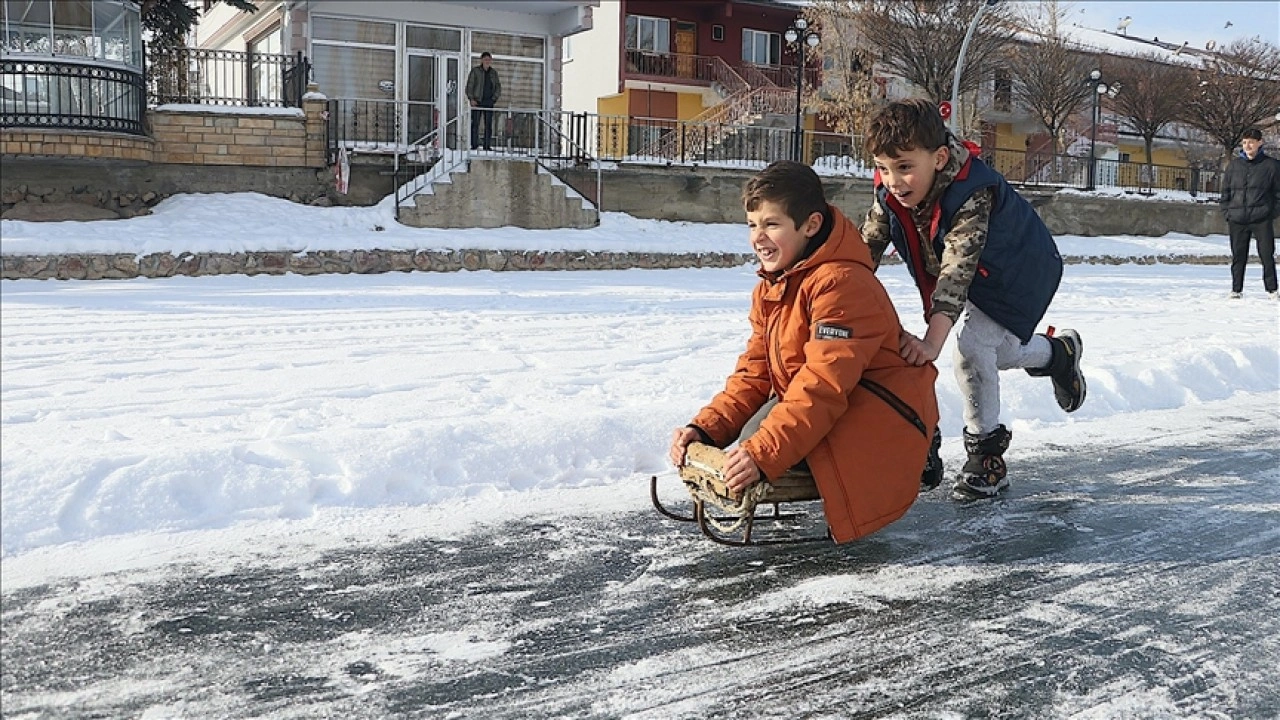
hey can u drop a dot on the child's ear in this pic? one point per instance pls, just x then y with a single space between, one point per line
940 157
813 224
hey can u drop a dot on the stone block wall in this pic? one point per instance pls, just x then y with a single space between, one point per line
209 137
53 175
78 144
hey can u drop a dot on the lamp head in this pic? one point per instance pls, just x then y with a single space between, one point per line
812 40
1095 75
801 23
791 35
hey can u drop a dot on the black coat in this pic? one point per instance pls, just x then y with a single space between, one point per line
1251 189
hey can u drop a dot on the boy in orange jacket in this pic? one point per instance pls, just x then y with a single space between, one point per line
821 373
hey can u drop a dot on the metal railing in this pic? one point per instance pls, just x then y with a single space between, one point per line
550 139
70 95
1057 170
384 127
225 77
710 70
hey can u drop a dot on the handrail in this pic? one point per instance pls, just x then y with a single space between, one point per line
582 155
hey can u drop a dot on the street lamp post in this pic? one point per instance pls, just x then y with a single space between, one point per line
802 36
964 50
1099 87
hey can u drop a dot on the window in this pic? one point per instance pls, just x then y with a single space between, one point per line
525 46
101 29
265 72
1003 90
354 31
429 38
646 33
520 62
761 48
717 33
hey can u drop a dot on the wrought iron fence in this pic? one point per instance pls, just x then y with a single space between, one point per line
386 126
80 96
226 77
1032 168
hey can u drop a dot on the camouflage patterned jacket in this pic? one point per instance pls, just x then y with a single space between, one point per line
972 239
954 269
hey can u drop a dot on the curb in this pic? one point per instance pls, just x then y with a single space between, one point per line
121 266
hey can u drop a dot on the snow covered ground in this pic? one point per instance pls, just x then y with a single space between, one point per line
299 437
250 221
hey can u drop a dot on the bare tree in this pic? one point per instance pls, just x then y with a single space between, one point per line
1151 95
847 95
1237 89
920 40
1052 80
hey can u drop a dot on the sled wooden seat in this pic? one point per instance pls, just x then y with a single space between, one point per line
702 470
701 475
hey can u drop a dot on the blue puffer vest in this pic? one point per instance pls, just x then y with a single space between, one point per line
1020 268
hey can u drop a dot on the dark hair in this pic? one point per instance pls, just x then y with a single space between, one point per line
1253 134
906 125
794 186
485 54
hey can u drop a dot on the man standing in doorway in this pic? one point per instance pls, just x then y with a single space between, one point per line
1251 203
483 91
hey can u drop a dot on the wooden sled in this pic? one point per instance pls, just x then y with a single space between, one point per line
729 519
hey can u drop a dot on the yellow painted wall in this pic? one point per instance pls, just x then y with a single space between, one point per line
688 105
613 128
612 105
1161 156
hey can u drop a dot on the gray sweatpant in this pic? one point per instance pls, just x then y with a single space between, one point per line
983 348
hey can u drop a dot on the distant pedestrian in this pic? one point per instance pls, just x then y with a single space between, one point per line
1251 203
483 90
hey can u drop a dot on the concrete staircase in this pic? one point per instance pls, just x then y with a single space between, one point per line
499 192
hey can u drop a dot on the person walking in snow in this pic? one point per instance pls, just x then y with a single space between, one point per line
1251 203
483 90
821 387
975 247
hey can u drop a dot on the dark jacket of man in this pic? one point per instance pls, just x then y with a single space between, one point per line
1251 189
476 86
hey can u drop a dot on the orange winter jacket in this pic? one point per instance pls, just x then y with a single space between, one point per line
817 330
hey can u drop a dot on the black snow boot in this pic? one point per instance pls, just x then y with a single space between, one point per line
932 476
983 475
1064 369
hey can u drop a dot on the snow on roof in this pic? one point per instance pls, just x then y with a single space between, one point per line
1113 43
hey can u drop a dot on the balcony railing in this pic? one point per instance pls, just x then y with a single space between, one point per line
71 95
709 70
225 77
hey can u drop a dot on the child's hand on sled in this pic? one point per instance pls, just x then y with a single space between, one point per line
680 440
740 471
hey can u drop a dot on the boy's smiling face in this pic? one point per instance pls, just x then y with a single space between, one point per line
775 239
909 176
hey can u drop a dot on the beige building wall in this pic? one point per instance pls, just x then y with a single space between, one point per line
592 68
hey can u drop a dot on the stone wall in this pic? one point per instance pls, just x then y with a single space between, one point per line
34 142
121 266
63 175
714 195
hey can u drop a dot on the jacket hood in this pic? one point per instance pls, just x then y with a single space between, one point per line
1261 154
843 244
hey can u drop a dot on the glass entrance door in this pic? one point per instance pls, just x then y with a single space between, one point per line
422 116
431 116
